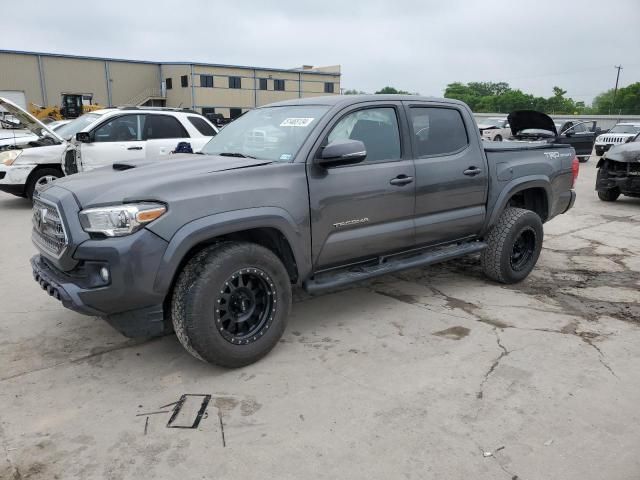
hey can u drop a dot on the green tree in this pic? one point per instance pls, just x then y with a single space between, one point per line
627 101
392 90
500 97
353 91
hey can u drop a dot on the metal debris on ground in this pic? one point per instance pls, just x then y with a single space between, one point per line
173 421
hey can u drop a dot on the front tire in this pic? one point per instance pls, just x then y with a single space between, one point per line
40 178
497 138
231 304
514 245
610 195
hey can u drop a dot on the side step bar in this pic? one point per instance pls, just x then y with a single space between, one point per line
339 278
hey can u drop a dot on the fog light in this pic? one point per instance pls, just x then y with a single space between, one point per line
104 274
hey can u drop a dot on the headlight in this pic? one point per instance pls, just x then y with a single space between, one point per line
8 157
120 220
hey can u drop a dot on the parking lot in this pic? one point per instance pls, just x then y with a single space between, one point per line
432 373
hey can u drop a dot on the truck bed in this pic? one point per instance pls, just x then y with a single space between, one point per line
516 146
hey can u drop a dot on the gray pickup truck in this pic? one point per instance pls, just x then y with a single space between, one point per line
317 193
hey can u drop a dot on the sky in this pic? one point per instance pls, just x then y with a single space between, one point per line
414 45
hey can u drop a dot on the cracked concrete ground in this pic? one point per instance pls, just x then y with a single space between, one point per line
431 373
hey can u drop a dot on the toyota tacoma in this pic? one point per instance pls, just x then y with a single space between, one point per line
316 193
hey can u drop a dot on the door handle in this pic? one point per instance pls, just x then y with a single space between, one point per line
472 171
134 148
401 180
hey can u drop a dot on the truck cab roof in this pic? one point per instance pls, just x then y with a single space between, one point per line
346 100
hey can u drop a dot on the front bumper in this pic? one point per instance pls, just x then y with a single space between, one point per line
627 182
603 147
13 178
128 300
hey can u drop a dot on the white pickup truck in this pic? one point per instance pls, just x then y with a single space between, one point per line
93 140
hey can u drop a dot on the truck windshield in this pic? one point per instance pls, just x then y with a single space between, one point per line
272 133
70 129
625 129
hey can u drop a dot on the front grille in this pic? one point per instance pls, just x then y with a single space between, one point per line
48 230
613 140
623 169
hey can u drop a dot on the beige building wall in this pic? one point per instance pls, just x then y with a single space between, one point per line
222 98
177 96
313 85
20 72
131 81
74 75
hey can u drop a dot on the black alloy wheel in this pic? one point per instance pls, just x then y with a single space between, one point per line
245 306
524 248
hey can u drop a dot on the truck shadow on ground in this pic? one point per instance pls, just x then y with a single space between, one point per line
15 203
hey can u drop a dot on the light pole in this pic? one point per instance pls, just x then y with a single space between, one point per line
615 91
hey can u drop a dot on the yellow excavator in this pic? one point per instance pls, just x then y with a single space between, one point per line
72 107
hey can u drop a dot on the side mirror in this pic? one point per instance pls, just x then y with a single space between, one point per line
83 137
568 134
342 152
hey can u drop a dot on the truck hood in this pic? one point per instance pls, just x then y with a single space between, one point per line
148 180
28 121
628 153
530 120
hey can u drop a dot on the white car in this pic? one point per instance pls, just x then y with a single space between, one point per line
494 129
619 134
106 136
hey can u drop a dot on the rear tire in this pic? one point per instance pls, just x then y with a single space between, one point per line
231 304
584 159
514 245
40 178
610 195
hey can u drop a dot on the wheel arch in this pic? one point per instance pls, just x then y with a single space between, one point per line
39 167
270 227
529 193
43 166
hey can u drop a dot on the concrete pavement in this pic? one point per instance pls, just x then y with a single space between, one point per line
431 373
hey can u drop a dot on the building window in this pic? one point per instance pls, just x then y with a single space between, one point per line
184 81
263 84
206 81
278 85
234 82
168 83
235 112
328 87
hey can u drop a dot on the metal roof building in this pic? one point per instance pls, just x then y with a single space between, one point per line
209 88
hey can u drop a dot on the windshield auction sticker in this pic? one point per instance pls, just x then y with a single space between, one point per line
296 122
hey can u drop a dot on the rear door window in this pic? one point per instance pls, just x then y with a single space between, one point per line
202 126
163 126
437 131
